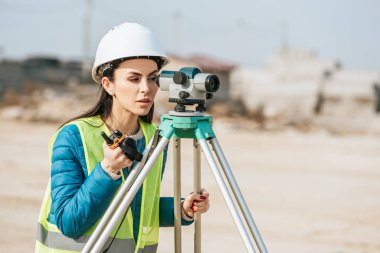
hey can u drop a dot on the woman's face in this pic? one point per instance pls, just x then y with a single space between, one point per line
134 85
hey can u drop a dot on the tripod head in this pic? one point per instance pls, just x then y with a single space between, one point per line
188 86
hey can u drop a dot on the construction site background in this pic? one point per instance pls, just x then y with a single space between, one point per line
302 135
295 89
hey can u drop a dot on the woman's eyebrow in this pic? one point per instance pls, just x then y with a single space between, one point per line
134 73
139 74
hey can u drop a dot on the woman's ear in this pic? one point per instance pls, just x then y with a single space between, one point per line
108 86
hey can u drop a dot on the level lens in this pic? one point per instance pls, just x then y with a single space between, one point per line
212 83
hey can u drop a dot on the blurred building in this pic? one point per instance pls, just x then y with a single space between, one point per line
298 82
11 74
40 71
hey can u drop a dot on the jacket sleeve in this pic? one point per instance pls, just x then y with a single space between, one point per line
167 213
78 200
167 205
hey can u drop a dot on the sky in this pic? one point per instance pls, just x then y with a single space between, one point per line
245 32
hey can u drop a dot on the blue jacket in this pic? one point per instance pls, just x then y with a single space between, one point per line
78 200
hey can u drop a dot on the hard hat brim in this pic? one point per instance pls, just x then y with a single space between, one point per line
160 60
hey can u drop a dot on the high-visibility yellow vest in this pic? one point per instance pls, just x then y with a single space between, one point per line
50 238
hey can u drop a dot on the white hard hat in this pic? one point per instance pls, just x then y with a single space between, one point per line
127 40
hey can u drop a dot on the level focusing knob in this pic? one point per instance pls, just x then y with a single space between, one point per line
180 77
184 94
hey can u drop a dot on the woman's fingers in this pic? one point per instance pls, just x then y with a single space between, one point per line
199 202
116 158
204 193
201 206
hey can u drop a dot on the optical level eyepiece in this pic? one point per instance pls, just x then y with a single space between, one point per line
212 83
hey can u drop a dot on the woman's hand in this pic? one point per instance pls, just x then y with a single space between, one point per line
196 203
114 159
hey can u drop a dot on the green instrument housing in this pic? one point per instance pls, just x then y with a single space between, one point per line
190 127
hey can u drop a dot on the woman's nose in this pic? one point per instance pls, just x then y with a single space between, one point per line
145 86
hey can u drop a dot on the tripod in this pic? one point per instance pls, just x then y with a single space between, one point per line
196 126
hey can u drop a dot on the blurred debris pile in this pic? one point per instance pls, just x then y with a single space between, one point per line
43 88
298 89
56 104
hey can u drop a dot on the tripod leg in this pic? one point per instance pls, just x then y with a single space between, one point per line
197 189
227 197
116 201
239 197
177 195
127 200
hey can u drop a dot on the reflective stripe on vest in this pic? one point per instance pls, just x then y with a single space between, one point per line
50 238
59 241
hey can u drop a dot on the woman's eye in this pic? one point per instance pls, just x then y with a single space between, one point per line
134 79
153 78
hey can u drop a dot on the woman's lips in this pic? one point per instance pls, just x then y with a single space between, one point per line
144 101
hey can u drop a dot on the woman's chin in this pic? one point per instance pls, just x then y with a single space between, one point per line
141 112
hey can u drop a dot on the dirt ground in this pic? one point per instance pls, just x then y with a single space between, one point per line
311 192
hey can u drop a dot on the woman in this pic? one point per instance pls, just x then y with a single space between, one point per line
86 173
